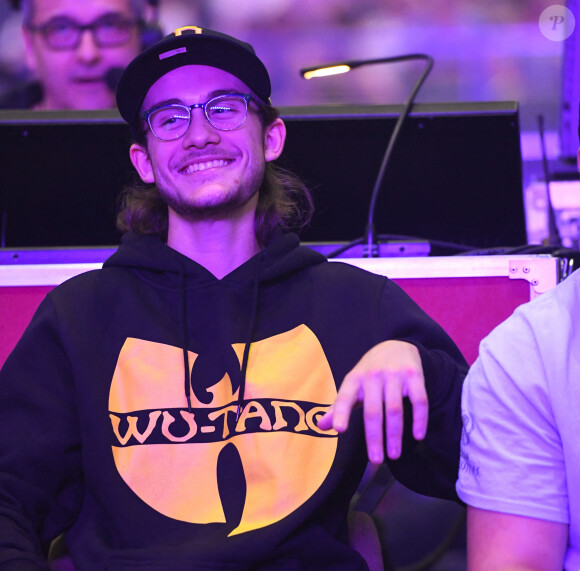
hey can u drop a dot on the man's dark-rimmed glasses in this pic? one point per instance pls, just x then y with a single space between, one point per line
224 112
107 31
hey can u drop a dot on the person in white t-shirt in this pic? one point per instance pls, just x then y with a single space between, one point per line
520 451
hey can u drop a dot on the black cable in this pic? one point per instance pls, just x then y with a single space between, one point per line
371 246
3 225
554 238
385 238
344 248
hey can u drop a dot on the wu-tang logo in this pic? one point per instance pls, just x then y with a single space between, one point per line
207 466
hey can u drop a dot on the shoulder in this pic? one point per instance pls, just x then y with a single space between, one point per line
561 300
527 352
358 282
350 270
22 97
88 284
538 330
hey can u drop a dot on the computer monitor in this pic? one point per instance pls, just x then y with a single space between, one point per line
60 176
454 174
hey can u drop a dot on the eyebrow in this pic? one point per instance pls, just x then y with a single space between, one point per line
104 15
209 96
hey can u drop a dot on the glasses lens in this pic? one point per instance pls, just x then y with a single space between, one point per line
169 122
61 34
226 112
113 31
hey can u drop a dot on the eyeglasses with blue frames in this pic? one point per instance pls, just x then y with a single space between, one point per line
171 121
111 30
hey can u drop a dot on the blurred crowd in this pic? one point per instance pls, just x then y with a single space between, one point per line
482 51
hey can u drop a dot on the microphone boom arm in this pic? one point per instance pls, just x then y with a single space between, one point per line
371 247
370 244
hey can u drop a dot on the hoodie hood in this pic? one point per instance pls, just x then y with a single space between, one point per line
282 257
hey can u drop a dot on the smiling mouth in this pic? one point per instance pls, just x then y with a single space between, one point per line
197 167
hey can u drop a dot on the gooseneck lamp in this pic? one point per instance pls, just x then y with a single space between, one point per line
371 246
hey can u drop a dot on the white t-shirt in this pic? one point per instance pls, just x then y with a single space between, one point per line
520 449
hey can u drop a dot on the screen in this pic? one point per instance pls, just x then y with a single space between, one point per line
454 174
60 176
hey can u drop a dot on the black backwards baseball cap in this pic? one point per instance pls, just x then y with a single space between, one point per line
189 45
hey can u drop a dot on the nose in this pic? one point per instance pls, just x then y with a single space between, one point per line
200 132
88 51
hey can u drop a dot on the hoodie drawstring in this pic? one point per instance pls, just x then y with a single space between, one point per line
185 338
249 336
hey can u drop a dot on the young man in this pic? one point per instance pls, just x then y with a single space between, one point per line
191 405
75 48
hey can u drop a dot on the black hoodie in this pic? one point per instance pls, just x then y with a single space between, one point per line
104 433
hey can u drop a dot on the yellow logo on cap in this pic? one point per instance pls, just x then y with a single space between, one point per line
180 31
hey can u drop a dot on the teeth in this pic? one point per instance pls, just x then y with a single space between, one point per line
203 166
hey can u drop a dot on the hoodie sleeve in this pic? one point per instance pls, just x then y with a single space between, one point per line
429 466
40 473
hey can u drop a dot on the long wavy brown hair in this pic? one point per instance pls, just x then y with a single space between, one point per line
283 199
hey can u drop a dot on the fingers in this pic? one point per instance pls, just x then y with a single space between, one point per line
393 400
347 398
326 420
338 415
409 384
373 416
417 394
381 395
381 380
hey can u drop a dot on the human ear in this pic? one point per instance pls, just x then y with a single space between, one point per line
140 159
274 138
